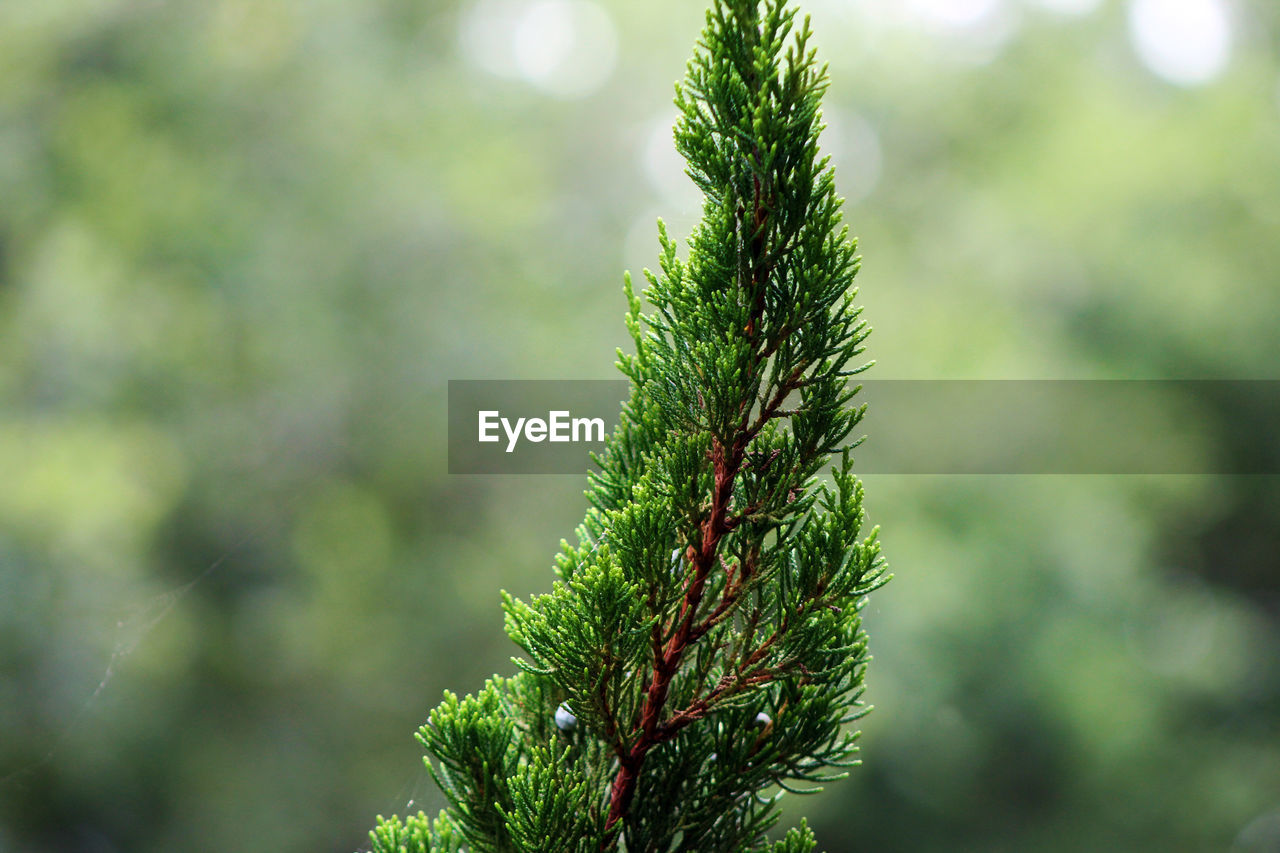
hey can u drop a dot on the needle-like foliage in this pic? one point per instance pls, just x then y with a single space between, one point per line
701 651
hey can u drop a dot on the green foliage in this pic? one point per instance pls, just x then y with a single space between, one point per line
474 740
798 840
416 834
702 649
548 811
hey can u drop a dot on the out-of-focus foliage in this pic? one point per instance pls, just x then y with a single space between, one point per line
243 245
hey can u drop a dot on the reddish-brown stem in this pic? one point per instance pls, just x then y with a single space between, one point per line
652 730
725 464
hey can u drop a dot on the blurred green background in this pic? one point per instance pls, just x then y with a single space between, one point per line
243 245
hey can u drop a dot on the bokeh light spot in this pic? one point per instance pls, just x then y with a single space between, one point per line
971 32
1069 7
487 34
1186 42
856 154
955 13
665 167
566 48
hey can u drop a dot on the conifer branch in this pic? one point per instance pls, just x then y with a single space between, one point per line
652 730
703 644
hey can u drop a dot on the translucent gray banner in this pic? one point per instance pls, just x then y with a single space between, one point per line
920 426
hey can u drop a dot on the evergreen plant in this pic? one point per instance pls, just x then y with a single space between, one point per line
701 651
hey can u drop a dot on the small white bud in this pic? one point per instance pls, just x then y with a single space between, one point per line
565 720
763 719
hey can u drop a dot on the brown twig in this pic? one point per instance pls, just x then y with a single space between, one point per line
668 657
651 729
